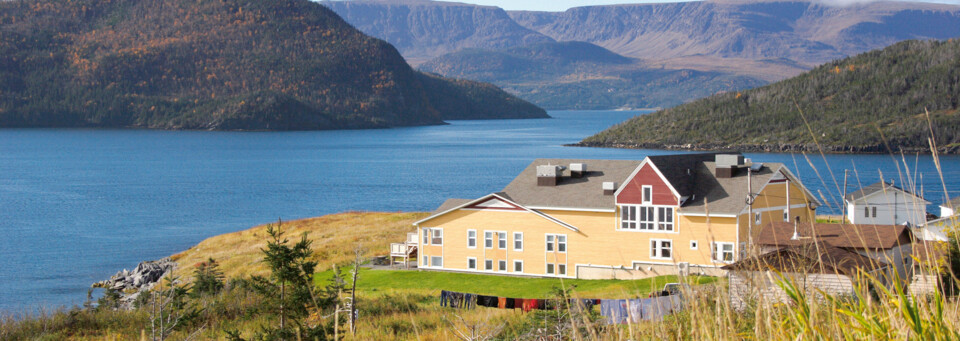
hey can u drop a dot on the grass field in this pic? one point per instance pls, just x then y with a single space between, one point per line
431 282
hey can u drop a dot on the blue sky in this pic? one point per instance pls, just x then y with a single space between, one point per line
561 5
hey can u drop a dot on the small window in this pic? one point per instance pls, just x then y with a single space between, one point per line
874 211
562 243
436 261
425 261
694 245
647 194
437 237
786 215
426 237
549 268
866 212
488 240
562 269
756 218
518 241
502 240
722 252
661 249
518 266
549 242
472 239
488 265
628 217
502 265
472 263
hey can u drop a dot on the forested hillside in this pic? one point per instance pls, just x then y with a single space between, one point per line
858 104
230 64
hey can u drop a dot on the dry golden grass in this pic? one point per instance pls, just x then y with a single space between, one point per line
334 238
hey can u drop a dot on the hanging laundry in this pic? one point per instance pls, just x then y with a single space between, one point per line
487 301
529 304
634 308
614 310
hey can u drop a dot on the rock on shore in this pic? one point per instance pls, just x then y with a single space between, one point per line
142 278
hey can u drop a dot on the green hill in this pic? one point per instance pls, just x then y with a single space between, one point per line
857 104
230 64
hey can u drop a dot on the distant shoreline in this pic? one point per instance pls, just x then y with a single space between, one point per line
767 148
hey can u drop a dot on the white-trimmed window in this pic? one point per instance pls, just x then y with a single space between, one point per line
502 266
426 237
562 269
436 262
549 268
472 239
874 211
502 240
425 264
665 218
648 218
471 263
562 243
661 248
722 252
757 218
518 241
694 245
488 265
647 194
488 240
550 239
786 214
518 266
628 217
437 237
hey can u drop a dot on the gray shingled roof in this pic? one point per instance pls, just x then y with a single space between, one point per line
822 258
450 203
874 188
585 192
858 236
725 195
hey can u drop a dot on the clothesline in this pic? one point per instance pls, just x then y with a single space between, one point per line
615 311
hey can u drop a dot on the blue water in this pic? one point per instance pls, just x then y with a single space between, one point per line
78 205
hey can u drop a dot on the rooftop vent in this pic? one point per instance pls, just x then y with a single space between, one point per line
578 170
548 175
728 165
609 187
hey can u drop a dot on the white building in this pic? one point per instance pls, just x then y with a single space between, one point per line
886 204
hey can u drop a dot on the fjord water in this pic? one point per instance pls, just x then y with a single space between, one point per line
78 205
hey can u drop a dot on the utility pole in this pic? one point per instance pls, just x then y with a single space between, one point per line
750 209
843 200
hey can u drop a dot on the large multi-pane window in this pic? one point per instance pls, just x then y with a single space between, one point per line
628 217
557 242
665 218
647 218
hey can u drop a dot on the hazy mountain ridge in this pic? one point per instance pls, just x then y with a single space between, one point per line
422 30
548 74
232 64
866 103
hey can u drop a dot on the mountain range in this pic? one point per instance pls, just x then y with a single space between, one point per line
225 65
887 100
737 43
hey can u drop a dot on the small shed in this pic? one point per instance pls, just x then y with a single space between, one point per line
813 268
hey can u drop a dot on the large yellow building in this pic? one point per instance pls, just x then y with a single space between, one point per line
614 218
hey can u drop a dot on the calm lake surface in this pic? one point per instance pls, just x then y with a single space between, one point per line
76 206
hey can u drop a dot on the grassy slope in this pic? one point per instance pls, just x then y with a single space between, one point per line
858 104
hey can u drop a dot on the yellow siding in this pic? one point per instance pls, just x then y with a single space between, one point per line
597 243
770 203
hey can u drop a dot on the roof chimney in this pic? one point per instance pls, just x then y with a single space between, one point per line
727 165
578 170
548 175
609 188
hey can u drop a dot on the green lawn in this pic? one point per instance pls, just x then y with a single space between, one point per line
518 287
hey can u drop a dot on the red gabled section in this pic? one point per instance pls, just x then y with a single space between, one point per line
495 204
632 192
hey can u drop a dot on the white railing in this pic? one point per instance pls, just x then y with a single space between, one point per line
412 238
398 249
